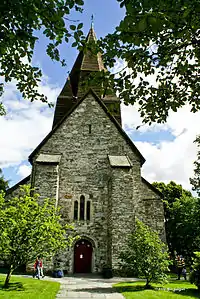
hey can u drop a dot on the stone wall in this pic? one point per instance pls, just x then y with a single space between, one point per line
150 210
84 141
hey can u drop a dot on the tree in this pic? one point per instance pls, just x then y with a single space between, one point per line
30 228
172 192
145 254
156 37
3 182
21 24
184 226
160 38
195 274
195 181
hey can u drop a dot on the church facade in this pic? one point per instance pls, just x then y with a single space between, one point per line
92 169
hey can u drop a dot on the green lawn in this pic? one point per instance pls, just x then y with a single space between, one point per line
28 288
172 290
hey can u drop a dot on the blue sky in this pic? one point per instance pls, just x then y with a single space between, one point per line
168 148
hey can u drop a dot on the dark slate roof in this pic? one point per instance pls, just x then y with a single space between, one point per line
154 189
86 63
22 182
128 140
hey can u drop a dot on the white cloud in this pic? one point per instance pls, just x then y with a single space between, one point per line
25 124
167 160
24 170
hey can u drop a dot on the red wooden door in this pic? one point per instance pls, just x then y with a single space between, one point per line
83 257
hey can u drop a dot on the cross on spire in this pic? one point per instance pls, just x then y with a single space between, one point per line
92 21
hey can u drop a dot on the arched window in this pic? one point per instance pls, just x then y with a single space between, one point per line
76 210
82 207
88 211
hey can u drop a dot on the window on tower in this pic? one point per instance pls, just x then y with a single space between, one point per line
76 210
88 211
82 207
90 129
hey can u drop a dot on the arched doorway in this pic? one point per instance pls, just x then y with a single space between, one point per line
83 256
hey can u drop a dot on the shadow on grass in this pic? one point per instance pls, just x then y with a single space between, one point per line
137 288
133 288
13 286
188 292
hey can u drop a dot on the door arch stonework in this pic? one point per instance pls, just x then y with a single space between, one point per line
83 252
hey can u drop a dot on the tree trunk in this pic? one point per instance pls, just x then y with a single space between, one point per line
147 286
6 283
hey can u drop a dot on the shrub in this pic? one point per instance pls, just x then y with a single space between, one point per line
195 274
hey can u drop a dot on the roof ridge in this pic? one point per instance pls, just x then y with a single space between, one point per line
129 141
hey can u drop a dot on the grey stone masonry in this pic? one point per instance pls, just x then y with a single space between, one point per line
84 140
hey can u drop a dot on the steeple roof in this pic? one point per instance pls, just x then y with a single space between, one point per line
76 85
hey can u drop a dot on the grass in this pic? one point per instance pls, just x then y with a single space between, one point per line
28 288
173 290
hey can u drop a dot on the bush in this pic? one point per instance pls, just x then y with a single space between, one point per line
195 274
145 255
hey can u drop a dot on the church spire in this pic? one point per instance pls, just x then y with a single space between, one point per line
86 63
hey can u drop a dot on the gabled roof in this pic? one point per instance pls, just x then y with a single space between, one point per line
128 140
154 189
22 182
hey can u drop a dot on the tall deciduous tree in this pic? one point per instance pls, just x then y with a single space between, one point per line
30 228
185 225
159 38
145 254
181 214
21 22
156 37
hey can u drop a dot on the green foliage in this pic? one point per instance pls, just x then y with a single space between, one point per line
30 227
195 181
159 38
195 274
145 254
3 182
21 24
185 226
171 191
181 213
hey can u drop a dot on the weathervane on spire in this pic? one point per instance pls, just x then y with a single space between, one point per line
92 21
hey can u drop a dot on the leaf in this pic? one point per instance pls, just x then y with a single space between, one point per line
80 26
79 2
142 25
72 27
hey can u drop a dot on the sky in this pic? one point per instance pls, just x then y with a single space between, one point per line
169 149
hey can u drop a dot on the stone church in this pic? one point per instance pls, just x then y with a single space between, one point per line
93 170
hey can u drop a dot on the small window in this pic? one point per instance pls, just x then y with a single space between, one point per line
76 210
82 207
90 129
88 211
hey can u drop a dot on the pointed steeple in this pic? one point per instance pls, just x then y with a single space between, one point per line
75 87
